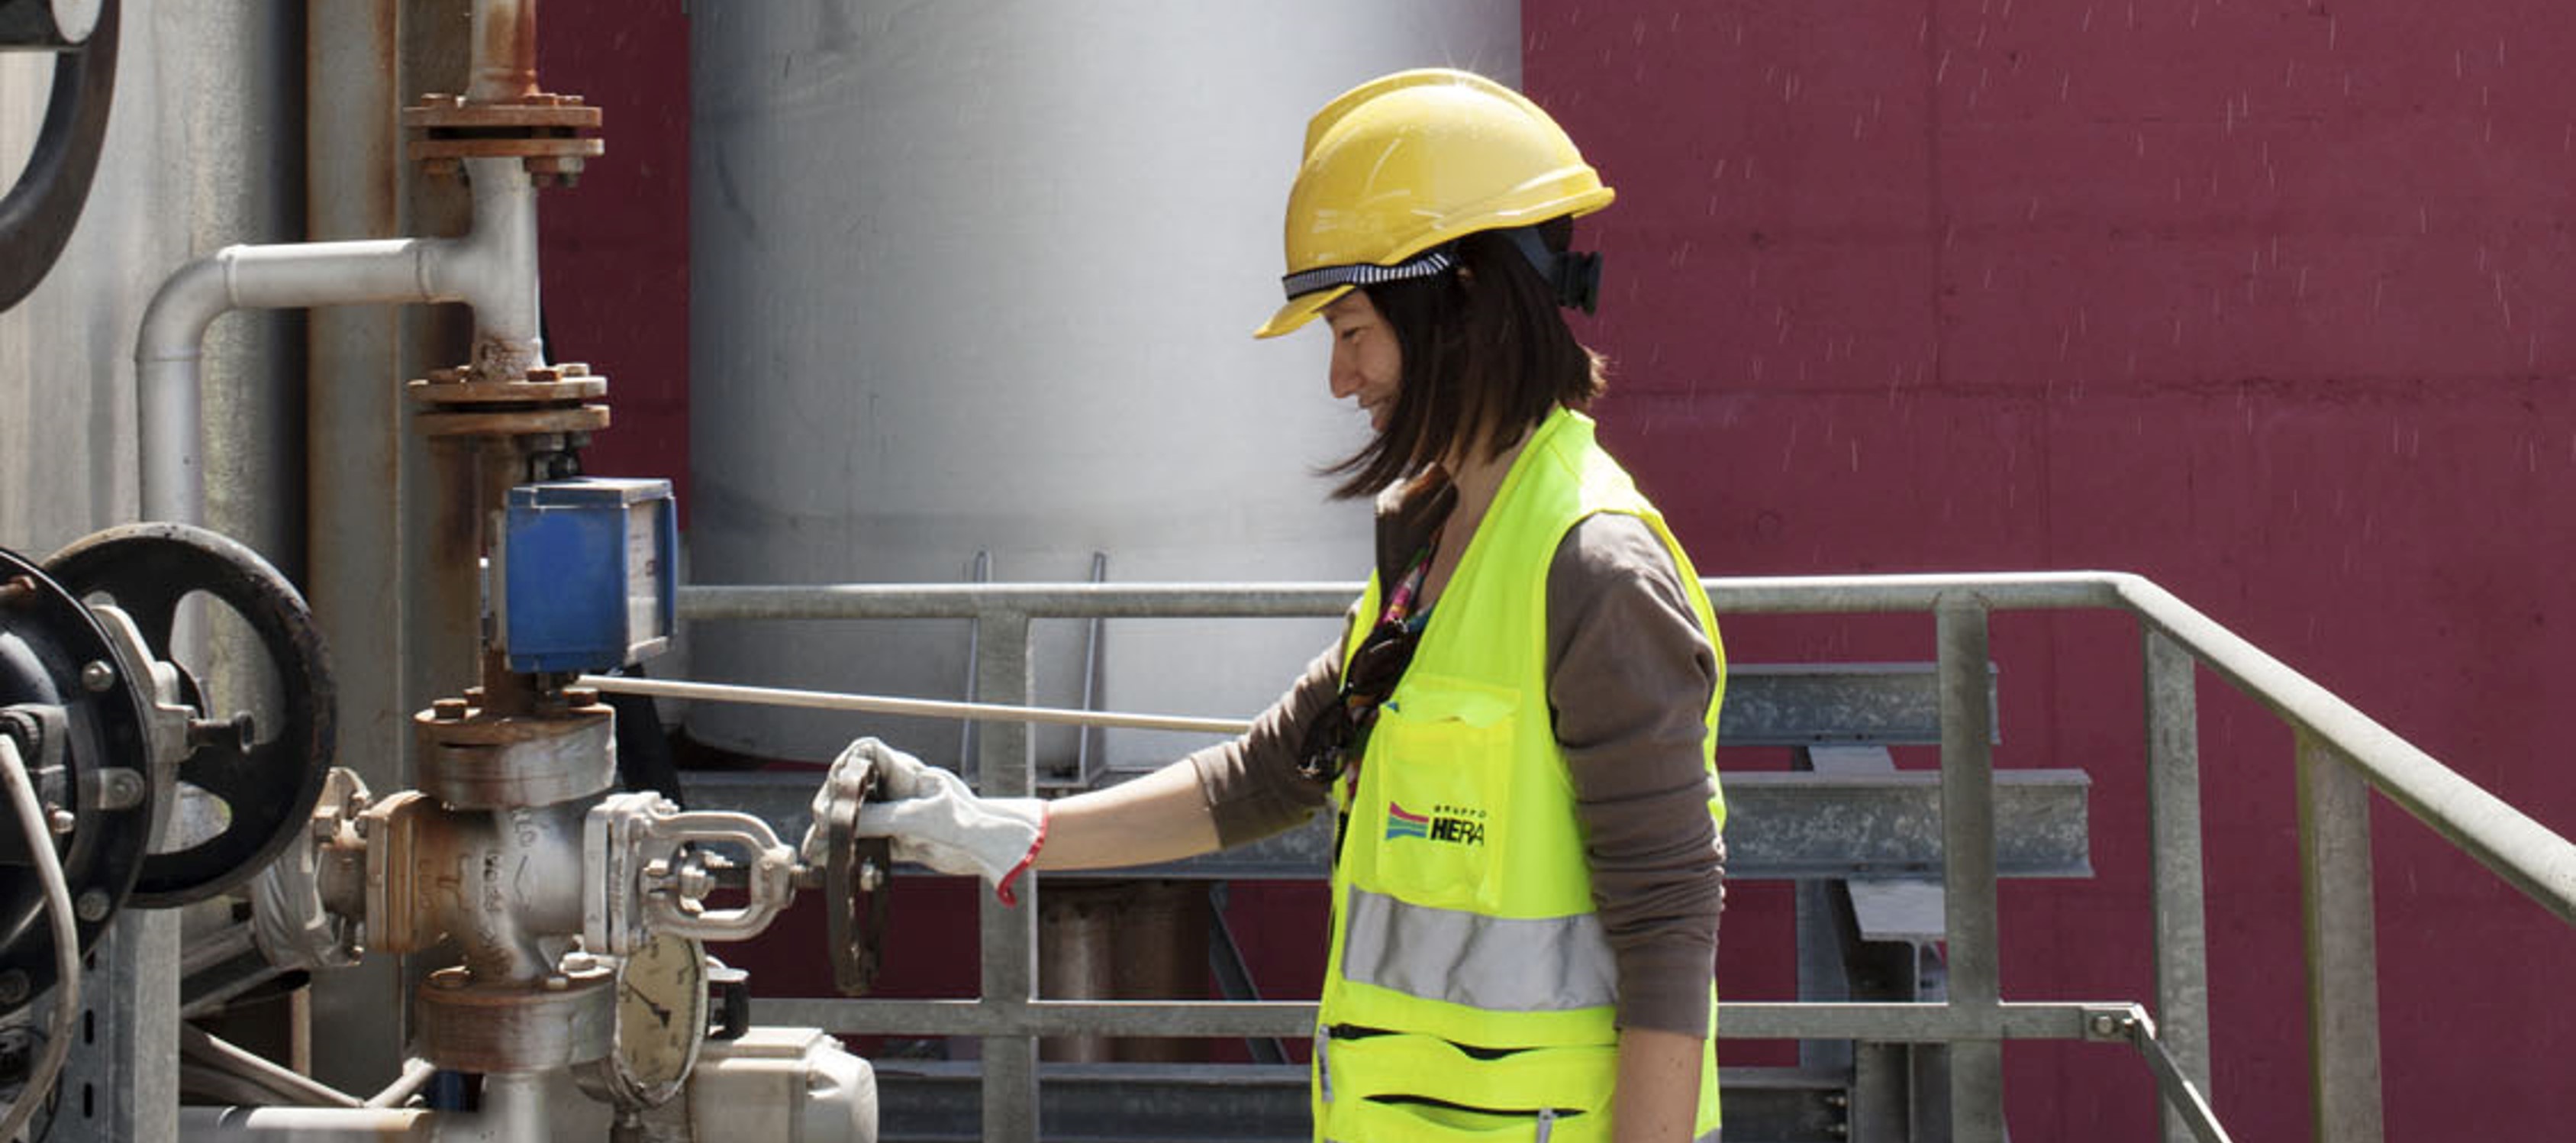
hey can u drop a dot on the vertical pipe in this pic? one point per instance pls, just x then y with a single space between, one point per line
505 51
441 613
1968 865
355 470
514 1108
2343 945
496 269
2173 827
1008 766
500 463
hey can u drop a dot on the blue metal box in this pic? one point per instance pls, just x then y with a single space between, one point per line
585 573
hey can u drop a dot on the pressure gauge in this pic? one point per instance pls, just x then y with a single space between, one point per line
661 1020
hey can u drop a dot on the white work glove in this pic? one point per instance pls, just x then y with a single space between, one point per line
933 819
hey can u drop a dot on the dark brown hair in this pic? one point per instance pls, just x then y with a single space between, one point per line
1486 358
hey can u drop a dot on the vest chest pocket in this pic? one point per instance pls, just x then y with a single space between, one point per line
1440 761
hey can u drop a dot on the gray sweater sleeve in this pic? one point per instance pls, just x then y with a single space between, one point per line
1629 678
1251 784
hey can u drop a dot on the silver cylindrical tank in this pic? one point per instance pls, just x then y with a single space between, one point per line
979 279
203 147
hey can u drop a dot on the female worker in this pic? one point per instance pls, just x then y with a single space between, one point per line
1516 732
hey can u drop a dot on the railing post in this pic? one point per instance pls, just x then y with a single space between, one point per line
1007 770
1968 866
2343 945
2173 826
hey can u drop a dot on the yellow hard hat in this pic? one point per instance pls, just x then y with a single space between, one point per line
1401 165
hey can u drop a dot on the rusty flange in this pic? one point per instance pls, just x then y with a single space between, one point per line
542 130
518 423
472 760
570 381
547 399
470 1025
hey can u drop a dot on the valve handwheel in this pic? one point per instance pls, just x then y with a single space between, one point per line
855 869
37 214
269 785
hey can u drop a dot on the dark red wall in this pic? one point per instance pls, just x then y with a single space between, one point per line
2262 300
616 246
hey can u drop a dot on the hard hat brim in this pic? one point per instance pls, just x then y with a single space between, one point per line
1299 310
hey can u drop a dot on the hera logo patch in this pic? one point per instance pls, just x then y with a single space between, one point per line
1454 825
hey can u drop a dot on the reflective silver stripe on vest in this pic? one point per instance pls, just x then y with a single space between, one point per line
1498 964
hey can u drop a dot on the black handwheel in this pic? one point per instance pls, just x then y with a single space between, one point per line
269 788
854 873
80 726
37 215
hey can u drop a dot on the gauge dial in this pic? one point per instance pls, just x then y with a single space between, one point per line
661 1019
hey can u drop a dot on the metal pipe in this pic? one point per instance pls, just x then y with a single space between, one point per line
2173 829
885 704
1890 1021
1968 863
514 1111
416 1074
1044 601
504 68
279 1082
311 1124
168 397
493 269
2343 946
359 460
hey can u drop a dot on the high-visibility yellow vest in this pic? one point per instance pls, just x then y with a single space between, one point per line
1468 968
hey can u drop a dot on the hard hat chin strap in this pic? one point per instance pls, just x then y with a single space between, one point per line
1573 277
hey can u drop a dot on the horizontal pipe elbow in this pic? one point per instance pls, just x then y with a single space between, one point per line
189 300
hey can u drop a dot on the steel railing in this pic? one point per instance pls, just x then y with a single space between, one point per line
2341 755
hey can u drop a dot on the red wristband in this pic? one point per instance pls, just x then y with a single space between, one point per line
1002 888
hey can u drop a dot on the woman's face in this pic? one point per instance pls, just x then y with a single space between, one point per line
1367 363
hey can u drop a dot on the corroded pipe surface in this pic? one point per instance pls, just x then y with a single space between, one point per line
505 51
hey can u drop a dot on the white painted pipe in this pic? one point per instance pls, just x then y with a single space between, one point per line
514 1111
493 269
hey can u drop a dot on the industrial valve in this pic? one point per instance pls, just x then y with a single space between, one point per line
119 741
108 746
581 912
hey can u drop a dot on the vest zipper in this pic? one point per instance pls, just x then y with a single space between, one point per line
1546 1123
